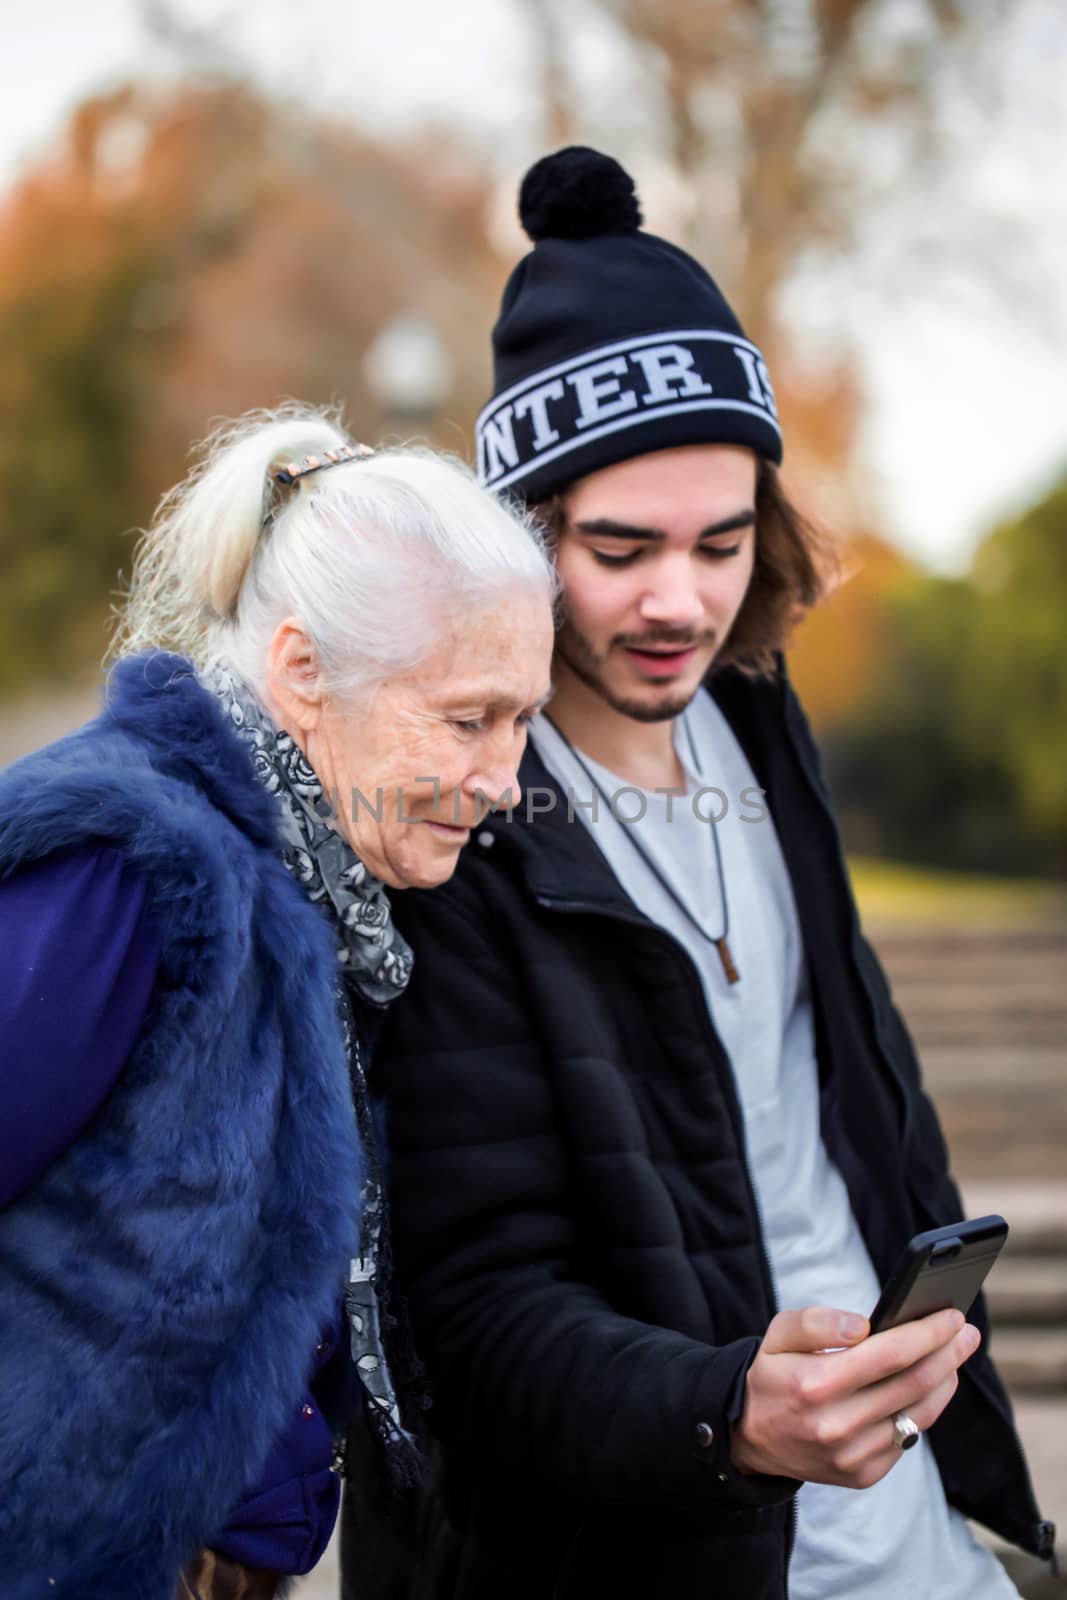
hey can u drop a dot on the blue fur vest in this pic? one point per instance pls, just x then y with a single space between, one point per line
163 1284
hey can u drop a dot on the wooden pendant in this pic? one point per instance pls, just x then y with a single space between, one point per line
732 974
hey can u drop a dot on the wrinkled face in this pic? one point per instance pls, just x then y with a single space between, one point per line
424 760
655 557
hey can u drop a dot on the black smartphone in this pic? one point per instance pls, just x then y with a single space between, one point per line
939 1270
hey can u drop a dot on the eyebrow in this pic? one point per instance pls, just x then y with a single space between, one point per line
497 704
607 528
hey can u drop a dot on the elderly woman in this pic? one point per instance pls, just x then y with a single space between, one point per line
196 947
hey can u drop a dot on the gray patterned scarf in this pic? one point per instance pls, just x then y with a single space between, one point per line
374 964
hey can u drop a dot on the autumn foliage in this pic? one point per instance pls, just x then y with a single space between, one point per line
184 257
192 253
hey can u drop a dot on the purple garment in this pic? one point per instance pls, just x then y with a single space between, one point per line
78 963
284 1524
78 958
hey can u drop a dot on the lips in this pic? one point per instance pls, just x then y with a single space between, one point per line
448 830
660 663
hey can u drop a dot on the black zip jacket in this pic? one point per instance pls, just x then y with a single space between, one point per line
575 1224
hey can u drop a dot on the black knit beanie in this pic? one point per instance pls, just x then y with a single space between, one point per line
610 342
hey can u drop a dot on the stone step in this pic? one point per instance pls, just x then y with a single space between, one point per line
1014 1130
988 1011
1015 1138
971 997
1024 1291
1036 1213
978 1028
931 975
972 1022
1026 1113
1031 1360
992 1054
926 970
1002 951
989 1064
998 1023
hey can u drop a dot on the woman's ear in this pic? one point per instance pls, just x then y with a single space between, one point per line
295 677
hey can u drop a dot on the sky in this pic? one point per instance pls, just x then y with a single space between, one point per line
966 372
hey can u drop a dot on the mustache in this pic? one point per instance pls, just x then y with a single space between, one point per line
671 638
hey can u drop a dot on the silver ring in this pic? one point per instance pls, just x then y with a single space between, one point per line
905 1431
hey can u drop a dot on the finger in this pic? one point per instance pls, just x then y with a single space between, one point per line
814 1328
910 1388
924 1413
869 1454
885 1355
859 1462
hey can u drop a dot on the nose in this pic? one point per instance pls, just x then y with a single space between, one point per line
672 598
496 780
495 786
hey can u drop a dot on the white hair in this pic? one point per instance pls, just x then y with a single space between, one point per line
373 557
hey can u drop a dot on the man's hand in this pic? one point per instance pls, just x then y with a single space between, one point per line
824 1414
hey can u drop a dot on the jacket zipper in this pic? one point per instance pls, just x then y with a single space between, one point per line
737 1120
678 950
693 979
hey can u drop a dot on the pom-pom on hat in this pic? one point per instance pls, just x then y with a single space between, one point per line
611 342
576 194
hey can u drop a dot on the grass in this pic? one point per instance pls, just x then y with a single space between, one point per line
889 892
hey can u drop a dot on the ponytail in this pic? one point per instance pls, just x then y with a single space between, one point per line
373 557
193 560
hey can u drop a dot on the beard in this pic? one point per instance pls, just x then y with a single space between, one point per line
588 665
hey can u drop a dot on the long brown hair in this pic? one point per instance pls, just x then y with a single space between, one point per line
794 569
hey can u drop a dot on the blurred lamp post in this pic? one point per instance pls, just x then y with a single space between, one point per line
408 370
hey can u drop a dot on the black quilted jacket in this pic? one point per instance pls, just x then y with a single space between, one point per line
575 1225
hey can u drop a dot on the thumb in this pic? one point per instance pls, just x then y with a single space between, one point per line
814 1328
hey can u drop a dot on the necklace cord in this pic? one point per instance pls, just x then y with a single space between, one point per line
720 941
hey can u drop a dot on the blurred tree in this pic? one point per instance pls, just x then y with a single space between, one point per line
791 123
794 125
72 386
1017 674
789 117
841 649
956 753
907 783
188 255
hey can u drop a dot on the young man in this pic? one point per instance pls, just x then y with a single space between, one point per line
657 1131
